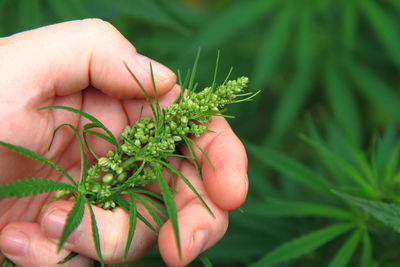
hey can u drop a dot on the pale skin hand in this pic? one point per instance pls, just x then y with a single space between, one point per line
79 64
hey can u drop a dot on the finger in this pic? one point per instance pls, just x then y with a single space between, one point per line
227 186
198 229
25 245
113 229
65 58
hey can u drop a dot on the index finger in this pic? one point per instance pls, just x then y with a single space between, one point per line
63 59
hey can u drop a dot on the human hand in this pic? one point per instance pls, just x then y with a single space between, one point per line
79 64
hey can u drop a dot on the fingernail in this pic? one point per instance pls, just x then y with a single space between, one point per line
199 241
159 70
13 242
53 225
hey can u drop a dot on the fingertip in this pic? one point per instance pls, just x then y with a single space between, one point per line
25 245
13 241
198 231
228 184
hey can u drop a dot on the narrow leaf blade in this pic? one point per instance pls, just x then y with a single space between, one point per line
344 255
169 204
74 218
95 232
68 257
33 155
126 206
32 186
187 182
302 245
151 211
87 116
132 223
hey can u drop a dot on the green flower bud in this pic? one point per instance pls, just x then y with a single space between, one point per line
137 143
108 178
177 138
104 162
173 125
184 119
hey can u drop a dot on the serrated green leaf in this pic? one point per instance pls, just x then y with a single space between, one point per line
303 245
290 168
344 255
74 218
95 233
32 186
284 208
132 223
33 155
389 214
169 204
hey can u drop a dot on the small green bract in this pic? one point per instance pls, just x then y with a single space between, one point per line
138 159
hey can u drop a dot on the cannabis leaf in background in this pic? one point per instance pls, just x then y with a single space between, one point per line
335 61
344 173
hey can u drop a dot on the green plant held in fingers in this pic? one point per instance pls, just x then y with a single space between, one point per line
139 158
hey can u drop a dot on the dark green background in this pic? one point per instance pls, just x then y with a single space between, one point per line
333 62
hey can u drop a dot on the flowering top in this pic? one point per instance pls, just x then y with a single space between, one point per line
149 140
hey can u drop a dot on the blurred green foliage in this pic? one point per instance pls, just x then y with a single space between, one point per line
329 69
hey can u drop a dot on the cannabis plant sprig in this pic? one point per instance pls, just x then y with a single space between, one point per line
138 159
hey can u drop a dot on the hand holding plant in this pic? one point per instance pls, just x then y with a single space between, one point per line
78 64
